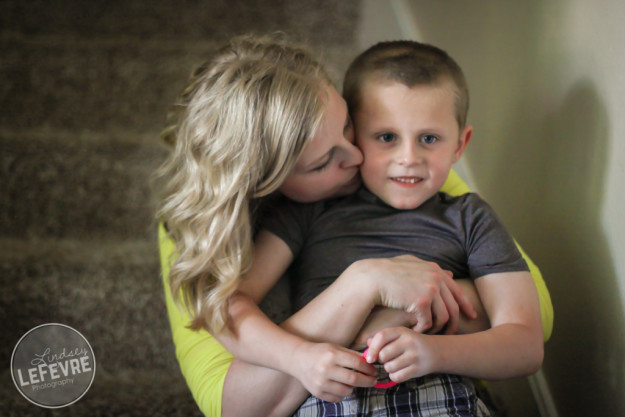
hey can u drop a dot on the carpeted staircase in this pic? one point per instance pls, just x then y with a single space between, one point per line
84 89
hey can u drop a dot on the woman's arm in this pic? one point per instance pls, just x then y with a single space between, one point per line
215 379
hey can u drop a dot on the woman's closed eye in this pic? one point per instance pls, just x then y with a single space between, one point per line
324 164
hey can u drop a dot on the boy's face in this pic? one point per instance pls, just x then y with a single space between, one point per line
410 138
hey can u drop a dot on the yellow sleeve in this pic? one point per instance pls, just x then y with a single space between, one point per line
203 361
456 186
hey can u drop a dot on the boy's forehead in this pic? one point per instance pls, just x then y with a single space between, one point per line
377 78
377 86
384 87
385 104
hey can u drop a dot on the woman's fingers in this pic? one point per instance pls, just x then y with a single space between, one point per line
349 371
335 392
461 298
451 313
440 313
423 289
352 361
423 313
330 372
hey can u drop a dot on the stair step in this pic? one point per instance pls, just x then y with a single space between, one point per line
117 84
111 292
58 183
91 85
84 88
135 393
321 21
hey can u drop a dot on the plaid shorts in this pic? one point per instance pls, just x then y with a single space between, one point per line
431 395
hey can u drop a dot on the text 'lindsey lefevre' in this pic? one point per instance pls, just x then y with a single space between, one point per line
50 367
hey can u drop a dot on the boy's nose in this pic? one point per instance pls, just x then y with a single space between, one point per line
408 154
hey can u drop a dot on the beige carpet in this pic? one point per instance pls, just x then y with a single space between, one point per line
84 89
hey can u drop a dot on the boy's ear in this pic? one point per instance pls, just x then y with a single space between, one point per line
463 141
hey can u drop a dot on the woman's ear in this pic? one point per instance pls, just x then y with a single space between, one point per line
463 141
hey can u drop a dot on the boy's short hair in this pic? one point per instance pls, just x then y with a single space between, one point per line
410 63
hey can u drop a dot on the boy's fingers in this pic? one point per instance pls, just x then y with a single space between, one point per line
390 353
381 339
404 374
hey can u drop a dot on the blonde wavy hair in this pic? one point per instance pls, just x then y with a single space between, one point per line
241 124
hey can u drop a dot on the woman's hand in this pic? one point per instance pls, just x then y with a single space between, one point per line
382 318
416 286
330 372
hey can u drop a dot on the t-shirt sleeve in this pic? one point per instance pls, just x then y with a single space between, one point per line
455 186
290 221
490 248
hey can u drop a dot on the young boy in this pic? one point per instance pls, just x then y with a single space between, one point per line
409 103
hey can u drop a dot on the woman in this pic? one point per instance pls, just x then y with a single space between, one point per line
261 118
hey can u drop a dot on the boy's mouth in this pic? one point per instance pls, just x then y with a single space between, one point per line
407 180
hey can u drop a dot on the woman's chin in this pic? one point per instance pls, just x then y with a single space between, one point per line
350 187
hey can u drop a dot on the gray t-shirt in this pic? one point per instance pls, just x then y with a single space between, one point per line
461 234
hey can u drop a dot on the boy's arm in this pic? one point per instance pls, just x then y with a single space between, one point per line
455 186
512 347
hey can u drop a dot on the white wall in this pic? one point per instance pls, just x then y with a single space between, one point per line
547 82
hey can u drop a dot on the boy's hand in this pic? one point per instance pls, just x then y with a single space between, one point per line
382 318
404 353
331 372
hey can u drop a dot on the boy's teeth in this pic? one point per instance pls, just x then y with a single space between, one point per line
407 180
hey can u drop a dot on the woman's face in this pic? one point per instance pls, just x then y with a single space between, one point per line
328 166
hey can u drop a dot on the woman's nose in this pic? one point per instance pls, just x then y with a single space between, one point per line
352 156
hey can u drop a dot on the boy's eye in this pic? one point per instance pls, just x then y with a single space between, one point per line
429 139
387 137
